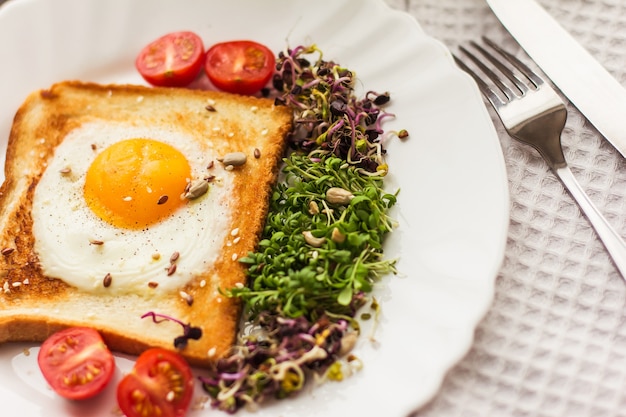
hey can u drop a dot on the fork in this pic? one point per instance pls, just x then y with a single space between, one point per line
533 113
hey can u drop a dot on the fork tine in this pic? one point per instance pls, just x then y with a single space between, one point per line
523 68
510 75
489 72
495 100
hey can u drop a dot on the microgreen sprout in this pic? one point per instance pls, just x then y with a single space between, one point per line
189 332
327 114
275 364
321 249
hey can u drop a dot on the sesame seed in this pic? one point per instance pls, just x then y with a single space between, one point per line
174 257
203 283
231 134
217 129
237 239
139 99
171 269
229 167
187 297
153 284
239 285
254 109
264 131
257 153
210 108
26 281
127 198
234 257
234 232
16 284
162 200
65 170
211 352
210 102
96 242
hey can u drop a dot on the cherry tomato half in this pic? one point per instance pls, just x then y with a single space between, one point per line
160 384
242 67
173 60
76 362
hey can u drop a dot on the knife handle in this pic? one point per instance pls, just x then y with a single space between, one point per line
613 242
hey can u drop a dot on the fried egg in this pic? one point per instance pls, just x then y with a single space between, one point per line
108 215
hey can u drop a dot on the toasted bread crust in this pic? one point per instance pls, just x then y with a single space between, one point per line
32 306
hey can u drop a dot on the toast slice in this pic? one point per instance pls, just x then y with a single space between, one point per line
33 304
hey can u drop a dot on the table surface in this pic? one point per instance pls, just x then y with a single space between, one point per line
553 343
554 340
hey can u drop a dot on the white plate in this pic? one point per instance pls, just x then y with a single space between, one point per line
453 204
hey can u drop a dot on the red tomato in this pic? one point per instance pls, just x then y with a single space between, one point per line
76 362
173 60
242 67
160 384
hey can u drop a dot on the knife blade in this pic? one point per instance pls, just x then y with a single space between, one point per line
570 67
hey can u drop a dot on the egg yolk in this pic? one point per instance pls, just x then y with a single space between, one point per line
136 182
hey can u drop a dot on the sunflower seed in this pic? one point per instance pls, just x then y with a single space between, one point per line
234 159
196 189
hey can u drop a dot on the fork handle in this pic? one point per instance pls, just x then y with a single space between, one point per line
612 241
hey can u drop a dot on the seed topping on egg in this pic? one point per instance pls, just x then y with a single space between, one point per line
96 242
196 189
108 279
162 200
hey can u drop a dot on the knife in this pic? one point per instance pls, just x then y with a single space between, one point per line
574 71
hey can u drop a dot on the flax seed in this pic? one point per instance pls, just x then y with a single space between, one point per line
107 280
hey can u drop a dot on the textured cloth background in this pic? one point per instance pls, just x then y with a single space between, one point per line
554 341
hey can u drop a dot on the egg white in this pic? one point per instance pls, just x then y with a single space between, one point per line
64 226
